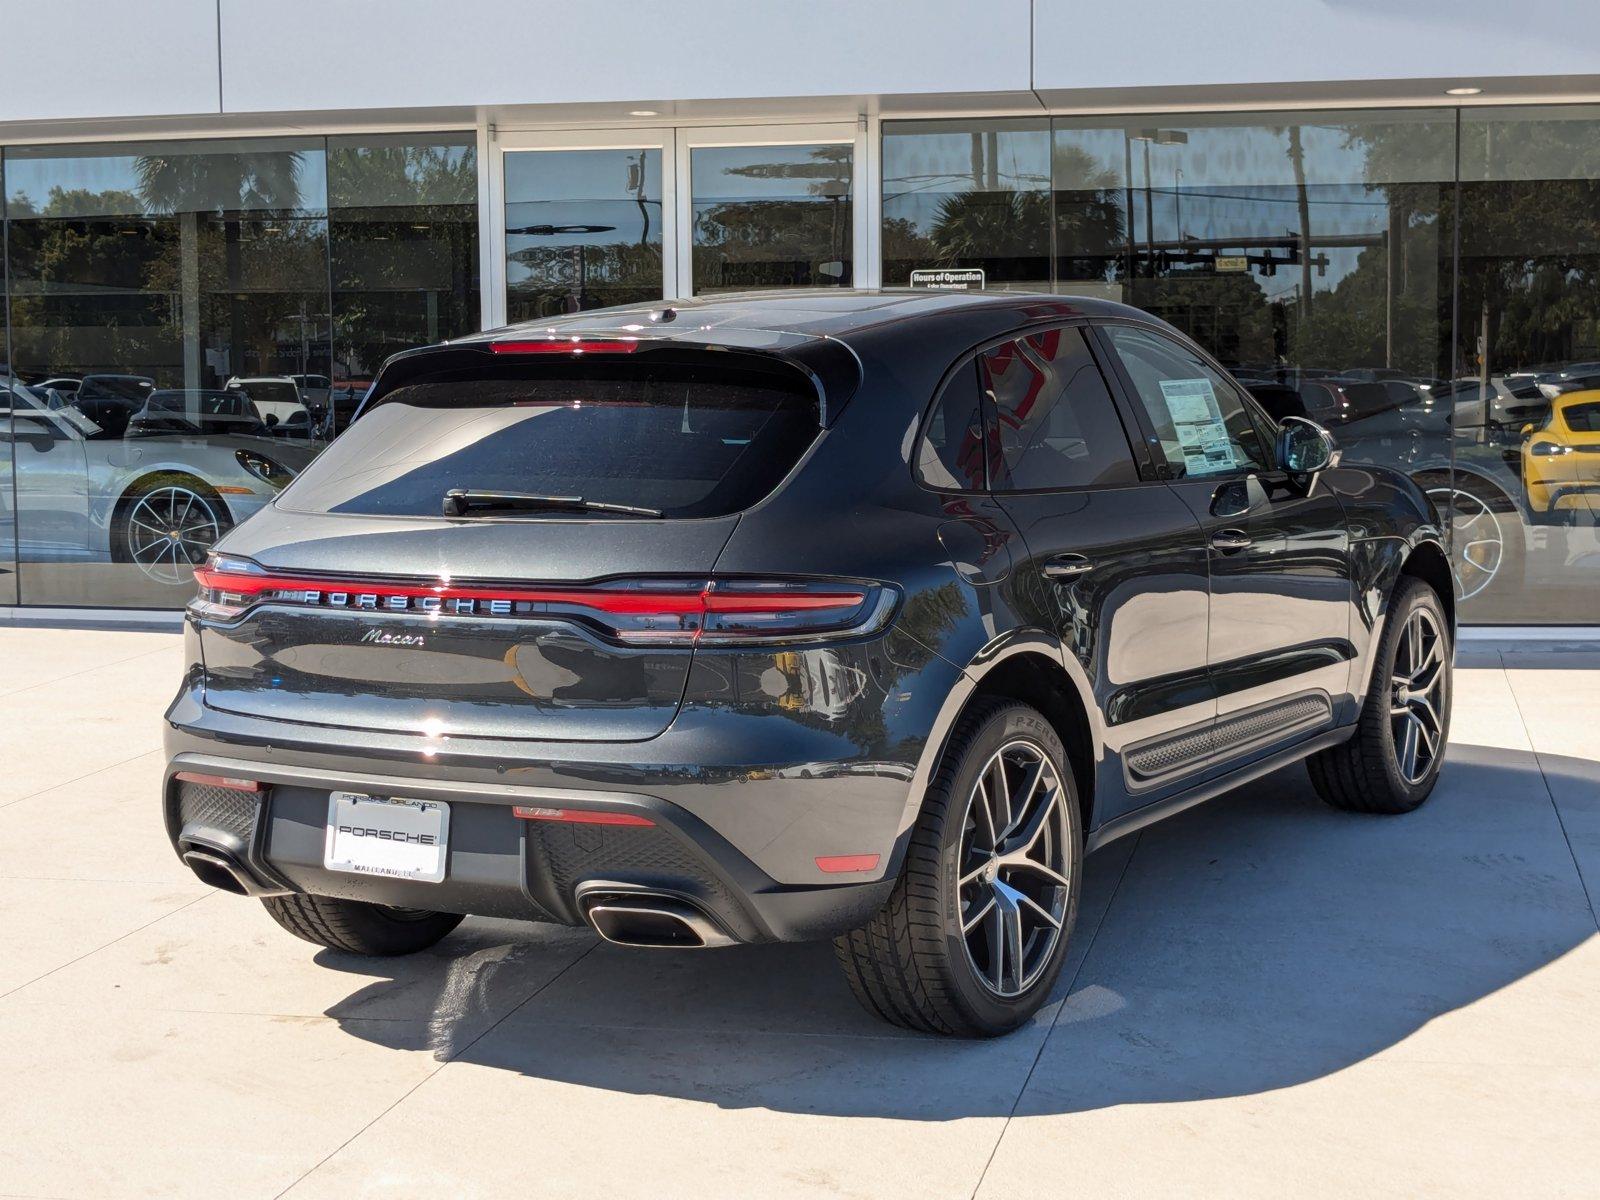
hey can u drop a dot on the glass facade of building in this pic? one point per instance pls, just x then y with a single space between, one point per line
189 321
1426 282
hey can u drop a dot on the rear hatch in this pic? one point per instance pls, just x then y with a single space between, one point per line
479 555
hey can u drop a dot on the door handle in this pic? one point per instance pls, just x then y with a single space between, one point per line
1066 566
1228 540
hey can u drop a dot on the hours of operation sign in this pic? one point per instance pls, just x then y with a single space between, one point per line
949 279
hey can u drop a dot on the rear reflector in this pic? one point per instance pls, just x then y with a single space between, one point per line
841 864
656 612
579 816
221 781
567 346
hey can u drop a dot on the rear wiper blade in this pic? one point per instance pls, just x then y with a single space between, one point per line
458 502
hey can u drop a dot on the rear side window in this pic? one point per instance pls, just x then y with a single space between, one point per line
1057 426
689 439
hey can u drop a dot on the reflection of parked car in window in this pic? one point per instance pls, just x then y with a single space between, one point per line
115 387
315 394
1391 423
346 396
1561 459
1501 404
206 411
1572 377
140 490
64 387
277 402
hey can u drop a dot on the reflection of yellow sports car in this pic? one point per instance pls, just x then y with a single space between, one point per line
1561 458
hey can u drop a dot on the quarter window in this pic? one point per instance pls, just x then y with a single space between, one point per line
1201 423
1054 419
951 453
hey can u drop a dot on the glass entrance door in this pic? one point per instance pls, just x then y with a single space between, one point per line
585 222
769 207
596 218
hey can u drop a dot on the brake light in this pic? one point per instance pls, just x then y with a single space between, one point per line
655 612
567 346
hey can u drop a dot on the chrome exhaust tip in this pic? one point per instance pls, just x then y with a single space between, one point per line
650 921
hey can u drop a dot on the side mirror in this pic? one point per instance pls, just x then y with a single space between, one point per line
1305 448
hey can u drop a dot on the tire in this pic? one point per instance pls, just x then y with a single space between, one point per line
356 927
1375 771
172 501
912 964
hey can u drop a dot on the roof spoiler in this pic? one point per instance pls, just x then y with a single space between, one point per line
831 366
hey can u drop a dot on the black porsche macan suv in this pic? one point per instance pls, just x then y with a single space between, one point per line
843 615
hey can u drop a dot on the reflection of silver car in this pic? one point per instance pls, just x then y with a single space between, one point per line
114 482
277 402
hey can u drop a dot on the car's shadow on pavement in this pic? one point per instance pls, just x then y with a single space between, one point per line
1250 944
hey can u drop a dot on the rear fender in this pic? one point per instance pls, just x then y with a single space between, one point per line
988 659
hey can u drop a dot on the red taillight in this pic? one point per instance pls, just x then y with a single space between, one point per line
580 816
222 781
663 612
567 346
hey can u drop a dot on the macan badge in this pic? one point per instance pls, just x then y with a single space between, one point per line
382 637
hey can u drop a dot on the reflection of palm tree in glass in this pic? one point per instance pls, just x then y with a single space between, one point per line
749 241
1007 230
991 224
226 185
196 182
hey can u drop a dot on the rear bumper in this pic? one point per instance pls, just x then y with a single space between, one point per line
737 842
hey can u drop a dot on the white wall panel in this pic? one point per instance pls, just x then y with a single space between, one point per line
309 54
1156 43
94 58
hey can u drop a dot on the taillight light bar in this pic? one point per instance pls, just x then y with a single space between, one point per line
657 612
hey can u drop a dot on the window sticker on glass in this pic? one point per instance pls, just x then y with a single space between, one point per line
1197 422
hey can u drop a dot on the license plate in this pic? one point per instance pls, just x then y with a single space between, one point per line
371 835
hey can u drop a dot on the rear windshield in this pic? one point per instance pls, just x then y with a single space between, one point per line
688 440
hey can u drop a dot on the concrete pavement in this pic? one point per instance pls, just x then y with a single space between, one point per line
1266 998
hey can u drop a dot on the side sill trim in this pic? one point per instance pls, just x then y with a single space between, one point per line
1151 813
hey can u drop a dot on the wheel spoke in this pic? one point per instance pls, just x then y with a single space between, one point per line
1426 676
1408 746
1002 795
983 911
1038 868
996 927
1010 909
1030 834
1044 914
983 808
